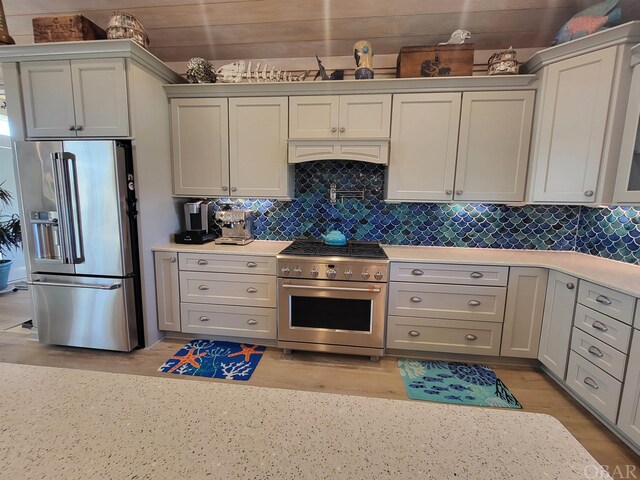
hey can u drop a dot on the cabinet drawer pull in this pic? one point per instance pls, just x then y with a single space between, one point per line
252 264
570 286
476 275
203 287
603 300
474 303
470 337
417 272
590 382
204 319
416 299
251 290
251 321
414 333
595 351
599 326
172 259
202 262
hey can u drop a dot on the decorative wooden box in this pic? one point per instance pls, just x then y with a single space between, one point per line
67 28
452 61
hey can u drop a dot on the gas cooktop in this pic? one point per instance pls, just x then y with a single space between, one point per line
317 248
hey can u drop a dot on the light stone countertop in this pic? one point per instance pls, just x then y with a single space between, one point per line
63 423
258 247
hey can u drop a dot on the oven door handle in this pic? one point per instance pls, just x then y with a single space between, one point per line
339 289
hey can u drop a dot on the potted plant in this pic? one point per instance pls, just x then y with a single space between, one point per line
10 235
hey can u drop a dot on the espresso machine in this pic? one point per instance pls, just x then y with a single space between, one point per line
236 225
198 217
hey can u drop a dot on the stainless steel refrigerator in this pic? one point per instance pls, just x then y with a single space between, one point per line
79 207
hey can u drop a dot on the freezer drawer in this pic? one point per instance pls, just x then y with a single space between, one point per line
85 312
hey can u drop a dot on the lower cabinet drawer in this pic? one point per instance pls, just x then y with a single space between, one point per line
457 302
443 335
599 353
227 320
594 386
228 289
604 328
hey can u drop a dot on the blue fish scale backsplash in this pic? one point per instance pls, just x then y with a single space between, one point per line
607 232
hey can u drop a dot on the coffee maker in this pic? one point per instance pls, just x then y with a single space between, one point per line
237 226
198 217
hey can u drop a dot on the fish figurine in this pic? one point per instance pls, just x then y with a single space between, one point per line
590 20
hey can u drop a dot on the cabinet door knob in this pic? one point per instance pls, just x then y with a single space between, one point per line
252 264
172 259
417 272
603 300
459 192
79 128
590 382
470 337
414 333
416 299
476 275
225 188
72 128
474 303
233 189
448 192
599 326
570 286
202 261
334 129
203 287
588 193
251 321
595 351
342 129
251 290
204 319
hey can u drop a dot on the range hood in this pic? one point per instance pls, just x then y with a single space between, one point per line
370 151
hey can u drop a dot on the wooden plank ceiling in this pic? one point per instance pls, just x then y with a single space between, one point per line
236 29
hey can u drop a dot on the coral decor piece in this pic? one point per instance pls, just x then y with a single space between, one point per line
590 20
504 63
237 72
200 70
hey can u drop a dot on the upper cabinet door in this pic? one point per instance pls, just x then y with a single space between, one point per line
314 117
572 127
364 116
200 146
424 140
100 98
628 179
493 149
258 147
48 98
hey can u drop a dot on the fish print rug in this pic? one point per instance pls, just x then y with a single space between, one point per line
214 359
455 382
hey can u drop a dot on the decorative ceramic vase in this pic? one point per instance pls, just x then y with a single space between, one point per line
363 53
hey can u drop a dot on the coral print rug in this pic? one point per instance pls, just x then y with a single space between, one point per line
455 382
214 359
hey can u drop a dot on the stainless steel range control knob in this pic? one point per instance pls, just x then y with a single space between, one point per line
284 270
366 274
378 275
314 272
348 273
331 273
297 271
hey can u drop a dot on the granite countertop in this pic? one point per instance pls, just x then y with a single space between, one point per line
104 425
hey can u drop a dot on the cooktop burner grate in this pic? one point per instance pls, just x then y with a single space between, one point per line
316 248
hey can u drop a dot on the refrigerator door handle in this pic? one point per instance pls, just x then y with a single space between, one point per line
113 286
67 192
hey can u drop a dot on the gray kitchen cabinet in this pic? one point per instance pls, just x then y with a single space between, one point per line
167 291
234 147
629 415
557 321
470 147
524 310
75 98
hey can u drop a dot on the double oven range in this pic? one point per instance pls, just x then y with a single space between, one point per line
332 299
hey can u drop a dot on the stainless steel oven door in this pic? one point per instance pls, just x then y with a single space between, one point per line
331 312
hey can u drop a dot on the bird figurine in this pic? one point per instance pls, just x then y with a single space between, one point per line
322 72
458 37
590 20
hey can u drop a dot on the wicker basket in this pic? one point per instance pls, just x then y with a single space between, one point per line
125 25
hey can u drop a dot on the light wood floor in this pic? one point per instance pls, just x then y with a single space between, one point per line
326 373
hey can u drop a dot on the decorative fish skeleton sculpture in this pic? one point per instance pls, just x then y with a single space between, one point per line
590 20
236 72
